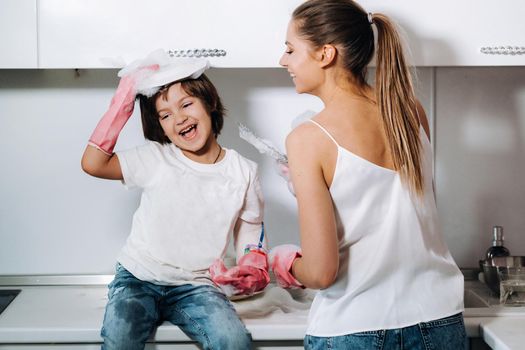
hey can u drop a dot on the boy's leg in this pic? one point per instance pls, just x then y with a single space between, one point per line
207 316
131 313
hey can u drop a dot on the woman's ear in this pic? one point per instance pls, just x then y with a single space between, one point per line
328 54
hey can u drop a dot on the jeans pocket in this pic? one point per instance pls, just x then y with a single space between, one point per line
363 340
314 343
445 333
450 320
369 340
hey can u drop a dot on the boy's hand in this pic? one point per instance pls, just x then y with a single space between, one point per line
105 135
249 276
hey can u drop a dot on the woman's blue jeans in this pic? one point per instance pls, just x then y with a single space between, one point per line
135 308
444 334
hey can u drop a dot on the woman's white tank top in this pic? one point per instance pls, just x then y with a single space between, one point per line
395 269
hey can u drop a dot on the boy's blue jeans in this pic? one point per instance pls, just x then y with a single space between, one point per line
135 308
444 334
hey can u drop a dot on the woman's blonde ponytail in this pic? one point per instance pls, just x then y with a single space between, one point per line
397 104
346 24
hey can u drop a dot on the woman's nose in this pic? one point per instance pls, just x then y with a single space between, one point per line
282 60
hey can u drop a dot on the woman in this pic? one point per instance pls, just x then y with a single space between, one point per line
362 175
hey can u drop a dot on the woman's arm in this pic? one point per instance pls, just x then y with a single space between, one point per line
318 266
99 164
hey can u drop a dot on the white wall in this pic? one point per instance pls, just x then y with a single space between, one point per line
56 219
480 158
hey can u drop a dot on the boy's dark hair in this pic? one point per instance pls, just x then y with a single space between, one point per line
201 88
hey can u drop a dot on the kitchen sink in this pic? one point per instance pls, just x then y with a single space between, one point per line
474 300
6 297
480 301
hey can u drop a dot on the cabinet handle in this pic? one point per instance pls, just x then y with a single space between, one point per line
503 50
197 53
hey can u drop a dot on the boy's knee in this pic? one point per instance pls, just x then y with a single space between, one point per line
230 339
120 339
127 324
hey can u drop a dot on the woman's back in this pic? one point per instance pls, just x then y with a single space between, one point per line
387 241
355 125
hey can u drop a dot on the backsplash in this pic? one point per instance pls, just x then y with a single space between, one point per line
54 219
480 158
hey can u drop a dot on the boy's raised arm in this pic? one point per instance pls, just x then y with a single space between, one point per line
99 164
98 159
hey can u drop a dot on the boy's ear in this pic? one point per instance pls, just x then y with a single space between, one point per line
328 54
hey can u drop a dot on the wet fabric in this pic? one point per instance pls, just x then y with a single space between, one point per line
135 308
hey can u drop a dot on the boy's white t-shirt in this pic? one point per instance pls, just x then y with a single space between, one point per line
187 211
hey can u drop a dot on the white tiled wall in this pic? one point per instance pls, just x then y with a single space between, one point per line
56 219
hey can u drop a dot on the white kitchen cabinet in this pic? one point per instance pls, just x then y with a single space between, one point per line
100 33
18 34
452 33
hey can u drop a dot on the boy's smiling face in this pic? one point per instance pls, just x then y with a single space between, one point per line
187 123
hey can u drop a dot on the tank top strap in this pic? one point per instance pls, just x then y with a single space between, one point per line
325 131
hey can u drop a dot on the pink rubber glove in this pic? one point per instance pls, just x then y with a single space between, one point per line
105 135
281 261
249 276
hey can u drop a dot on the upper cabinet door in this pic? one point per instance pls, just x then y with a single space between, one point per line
251 33
102 33
18 36
459 33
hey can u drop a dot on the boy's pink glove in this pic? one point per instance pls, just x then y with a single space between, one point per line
281 261
249 276
120 109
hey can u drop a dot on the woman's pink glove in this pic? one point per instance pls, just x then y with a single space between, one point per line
249 276
284 171
105 135
281 261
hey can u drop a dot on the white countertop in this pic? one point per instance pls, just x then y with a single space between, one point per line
73 314
504 333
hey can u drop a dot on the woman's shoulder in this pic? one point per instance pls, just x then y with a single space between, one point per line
302 132
308 135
